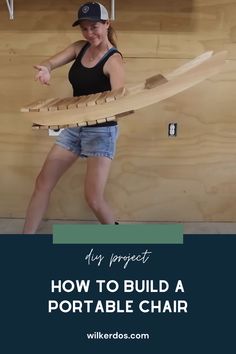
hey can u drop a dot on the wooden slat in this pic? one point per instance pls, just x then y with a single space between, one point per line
73 125
35 106
36 126
74 102
155 81
190 64
90 98
82 101
63 104
92 122
44 106
102 97
121 115
110 119
54 105
47 106
92 101
55 127
82 124
115 94
102 120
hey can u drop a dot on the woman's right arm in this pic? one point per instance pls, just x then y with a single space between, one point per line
44 69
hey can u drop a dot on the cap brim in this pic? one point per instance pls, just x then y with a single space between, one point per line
76 23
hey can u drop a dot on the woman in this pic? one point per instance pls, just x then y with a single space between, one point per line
97 67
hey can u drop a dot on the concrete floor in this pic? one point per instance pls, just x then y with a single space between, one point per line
14 226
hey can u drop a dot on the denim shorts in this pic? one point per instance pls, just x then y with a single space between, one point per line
89 141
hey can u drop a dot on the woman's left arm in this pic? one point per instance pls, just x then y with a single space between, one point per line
114 68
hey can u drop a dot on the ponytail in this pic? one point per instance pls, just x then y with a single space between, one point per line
112 36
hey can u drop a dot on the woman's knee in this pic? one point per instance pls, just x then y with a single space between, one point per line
43 184
94 200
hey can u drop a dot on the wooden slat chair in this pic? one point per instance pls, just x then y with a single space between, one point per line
56 113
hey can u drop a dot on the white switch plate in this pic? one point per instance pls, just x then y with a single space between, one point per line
172 129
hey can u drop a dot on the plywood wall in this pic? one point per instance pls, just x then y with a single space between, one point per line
154 178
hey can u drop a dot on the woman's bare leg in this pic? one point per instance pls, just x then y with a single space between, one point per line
56 163
98 169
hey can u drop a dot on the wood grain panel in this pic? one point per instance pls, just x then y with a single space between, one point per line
186 45
162 15
154 177
131 44
48 43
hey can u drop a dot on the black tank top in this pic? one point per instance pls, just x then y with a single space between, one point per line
86 81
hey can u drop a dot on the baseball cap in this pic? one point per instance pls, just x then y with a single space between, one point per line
93 11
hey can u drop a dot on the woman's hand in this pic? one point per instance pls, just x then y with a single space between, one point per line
43 74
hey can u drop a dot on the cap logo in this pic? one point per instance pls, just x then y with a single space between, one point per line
85 9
